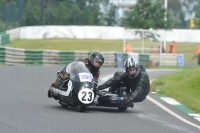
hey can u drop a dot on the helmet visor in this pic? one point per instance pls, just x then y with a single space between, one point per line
97 62
132 71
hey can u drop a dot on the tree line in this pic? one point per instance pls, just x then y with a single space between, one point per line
145 14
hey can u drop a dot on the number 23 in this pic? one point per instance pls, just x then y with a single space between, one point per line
85 95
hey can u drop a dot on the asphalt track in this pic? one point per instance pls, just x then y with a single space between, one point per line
25 108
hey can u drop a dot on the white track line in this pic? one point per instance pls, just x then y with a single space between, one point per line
171 112
163 107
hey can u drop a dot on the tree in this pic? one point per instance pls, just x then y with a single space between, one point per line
146 14
109 13
197 14
178 10
63 12
6 1
31 14
182 11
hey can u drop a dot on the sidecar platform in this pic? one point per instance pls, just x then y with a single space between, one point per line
112 100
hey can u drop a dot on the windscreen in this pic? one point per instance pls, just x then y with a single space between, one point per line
79 72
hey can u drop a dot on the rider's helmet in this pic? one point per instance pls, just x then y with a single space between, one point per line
96 60
130 64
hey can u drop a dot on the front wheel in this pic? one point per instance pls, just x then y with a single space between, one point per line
122 108
81 108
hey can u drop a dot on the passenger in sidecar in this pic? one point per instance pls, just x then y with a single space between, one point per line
135 79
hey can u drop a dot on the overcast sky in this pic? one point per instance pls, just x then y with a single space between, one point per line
120 10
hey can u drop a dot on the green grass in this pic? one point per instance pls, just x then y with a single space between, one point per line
182 86
69 44
188 49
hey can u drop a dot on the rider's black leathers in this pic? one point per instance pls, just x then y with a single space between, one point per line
138 88
63 76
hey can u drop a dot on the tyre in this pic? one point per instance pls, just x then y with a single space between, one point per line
122 108
81 108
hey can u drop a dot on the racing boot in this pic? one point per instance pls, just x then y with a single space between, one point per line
60 83
52 93
49 93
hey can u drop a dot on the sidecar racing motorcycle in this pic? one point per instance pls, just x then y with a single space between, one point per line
80 91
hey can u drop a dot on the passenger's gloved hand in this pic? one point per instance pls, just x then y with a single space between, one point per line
128 97
98 88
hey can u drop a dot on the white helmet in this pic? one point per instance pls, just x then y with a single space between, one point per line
129 64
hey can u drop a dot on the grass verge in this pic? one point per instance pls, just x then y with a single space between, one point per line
184 86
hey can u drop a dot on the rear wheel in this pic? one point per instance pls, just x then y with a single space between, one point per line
122 108
81 108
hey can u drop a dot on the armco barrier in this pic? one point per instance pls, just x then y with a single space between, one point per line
33 57
144 60
167 59
16 56
133 55
110 59
2 55
125 56
66 57
50 57
155 58
4 38
80 54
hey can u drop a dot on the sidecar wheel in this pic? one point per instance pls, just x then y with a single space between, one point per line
81 108
122 108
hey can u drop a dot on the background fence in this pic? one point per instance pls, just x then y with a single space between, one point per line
22 57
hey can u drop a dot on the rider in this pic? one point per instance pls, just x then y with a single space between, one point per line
93 63
135 79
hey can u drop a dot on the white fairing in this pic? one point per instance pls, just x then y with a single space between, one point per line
86 96
64 93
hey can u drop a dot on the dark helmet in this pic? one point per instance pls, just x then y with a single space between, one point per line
129 64
96 57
